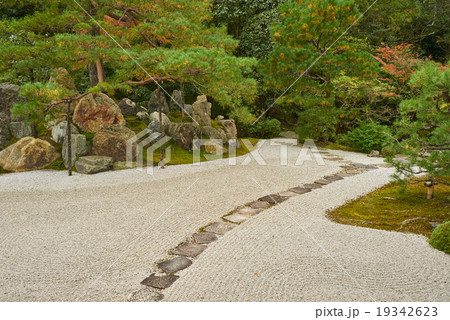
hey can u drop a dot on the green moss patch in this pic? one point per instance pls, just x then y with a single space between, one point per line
440 238
391 208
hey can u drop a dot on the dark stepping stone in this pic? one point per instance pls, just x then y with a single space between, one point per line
288 194
175 264
333 178
273 198
235 218
312 186
220 227
205 237
365 166
344 175
323 182
353 172
300 190
188 249
145 295
260 205
334 159
248 211
159 282
347 167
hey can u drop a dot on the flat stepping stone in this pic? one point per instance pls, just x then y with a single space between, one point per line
300 190
248 211
333 178
188 249
288 194
175 264
235 218
145 295
323 182
353 172
159 282
220 227
365 166
272 198
334 159
347 167
260 205
204 237
344 175
312 186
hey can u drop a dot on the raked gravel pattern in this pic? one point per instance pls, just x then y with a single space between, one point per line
95 238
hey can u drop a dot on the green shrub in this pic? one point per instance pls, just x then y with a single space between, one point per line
388 151
368 136
440 238
244 119
266 129
262 129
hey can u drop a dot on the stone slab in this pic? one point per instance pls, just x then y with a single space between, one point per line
204 237
159 282
235 218
300 190
333 178
273 198
323 182
220 227
260 205
247 211
188 249
353 171
312 186
145 295
288 194
175 264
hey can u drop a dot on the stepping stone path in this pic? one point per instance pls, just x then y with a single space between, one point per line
160 282
188 249
213 231
260 205
248 211
235 218
175 264
220 227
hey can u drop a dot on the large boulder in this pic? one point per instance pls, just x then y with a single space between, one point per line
130 108
79 148
62 77
176 100
95 111
153 104
229 126
28 154
154 122
112 141
59 131
93 164
213 133
188 109
20 129
183 134
201 111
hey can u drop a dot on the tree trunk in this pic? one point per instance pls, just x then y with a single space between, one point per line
69 138
96 70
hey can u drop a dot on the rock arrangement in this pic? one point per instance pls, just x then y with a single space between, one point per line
183 256
99 115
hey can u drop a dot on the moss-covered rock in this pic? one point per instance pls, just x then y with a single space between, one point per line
440 238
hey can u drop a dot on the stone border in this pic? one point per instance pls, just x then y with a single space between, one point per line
183 256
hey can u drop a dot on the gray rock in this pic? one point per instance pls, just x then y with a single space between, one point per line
273 198
5 133
204 237
333 178
220 227
288 194
93 164
201 111
247 211
260 205
20 130
300 190
175 100
9 95
154 122
219 118
289 135
59 132
213 133
229 126
312 186
145 295
79 148
128 107
184 134
175 264
353 172
235 218
323 182
234 144
188 249
188 109
143 116
374 154
365 166
153 105
159 282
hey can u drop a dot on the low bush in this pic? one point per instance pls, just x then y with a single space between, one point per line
440 238
368 136
262 129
